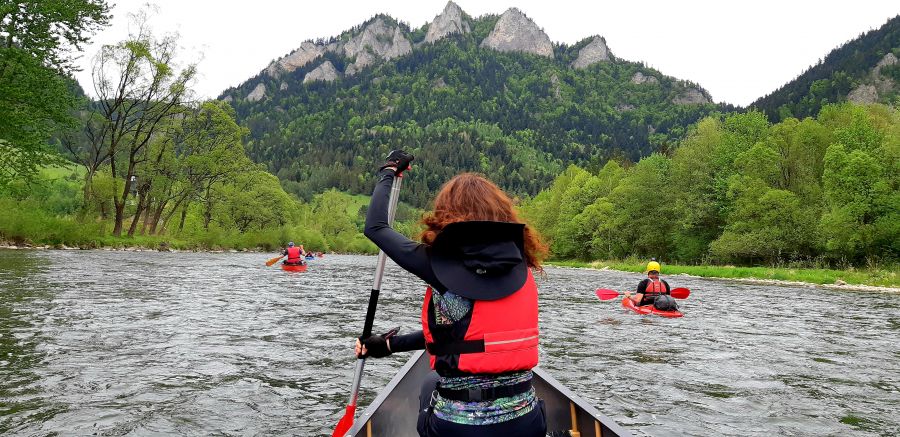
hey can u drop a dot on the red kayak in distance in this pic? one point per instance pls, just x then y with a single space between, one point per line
293 267
649 309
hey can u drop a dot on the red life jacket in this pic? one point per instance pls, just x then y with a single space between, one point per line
654 289
496 336
293 255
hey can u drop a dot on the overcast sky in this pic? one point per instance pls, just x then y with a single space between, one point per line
737 50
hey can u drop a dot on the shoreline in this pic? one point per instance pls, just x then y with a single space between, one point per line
5 245
762 281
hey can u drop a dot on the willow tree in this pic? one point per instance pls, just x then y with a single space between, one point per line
139 85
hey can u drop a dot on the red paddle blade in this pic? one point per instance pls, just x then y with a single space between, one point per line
606 294
346 422
681 293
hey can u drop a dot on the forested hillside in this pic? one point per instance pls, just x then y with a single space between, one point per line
520 117
864 70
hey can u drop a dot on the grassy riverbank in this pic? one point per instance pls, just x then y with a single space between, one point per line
882 276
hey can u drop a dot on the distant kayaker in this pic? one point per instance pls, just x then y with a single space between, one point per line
294 254
480 311
653 290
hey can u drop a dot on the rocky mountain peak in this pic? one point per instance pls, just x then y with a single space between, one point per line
514 32
296 59
596 51
450 21
377 40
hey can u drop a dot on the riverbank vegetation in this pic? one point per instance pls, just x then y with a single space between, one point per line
739 190
878 276
52 212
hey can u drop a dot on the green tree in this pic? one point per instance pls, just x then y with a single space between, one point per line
36 38
766 224
139 87
852 184
643 213
330 214
578 210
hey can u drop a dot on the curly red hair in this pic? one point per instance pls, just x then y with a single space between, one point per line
469 197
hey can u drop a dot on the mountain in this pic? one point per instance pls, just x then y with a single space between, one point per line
490 94
864 70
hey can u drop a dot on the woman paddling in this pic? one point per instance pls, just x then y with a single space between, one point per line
479 315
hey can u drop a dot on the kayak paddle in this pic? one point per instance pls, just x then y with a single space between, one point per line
680 293
347 421
273 260
607 294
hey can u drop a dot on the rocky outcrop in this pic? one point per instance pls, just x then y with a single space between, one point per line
888 59
640 78
875 84
884 83
258 93
227 99
514 32
596 51
377 41
439 83
554 84
307 53
325 72
863 94
450 21
691 96
283 86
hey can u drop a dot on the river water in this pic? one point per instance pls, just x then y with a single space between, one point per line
148 343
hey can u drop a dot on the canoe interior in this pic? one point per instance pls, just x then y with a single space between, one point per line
393 413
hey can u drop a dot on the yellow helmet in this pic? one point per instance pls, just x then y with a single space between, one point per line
652 266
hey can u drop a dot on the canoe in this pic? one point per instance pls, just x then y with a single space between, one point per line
394 412
293 268
649 309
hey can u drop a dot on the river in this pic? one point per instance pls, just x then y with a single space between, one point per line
150 343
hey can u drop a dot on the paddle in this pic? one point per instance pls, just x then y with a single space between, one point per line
606 294
347 421
274 260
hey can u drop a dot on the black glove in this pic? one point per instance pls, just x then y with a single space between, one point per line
376 345
398 159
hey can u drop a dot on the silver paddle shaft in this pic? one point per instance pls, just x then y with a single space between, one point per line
376 284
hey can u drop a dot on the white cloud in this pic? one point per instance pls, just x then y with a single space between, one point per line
739 51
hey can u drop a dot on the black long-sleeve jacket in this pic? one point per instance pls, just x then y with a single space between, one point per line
408 254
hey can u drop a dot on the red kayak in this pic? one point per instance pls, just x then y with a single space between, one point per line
293 267
649 309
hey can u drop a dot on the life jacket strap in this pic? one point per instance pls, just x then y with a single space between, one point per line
455 348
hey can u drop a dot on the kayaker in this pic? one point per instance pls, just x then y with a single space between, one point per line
653 290
480 310
294 254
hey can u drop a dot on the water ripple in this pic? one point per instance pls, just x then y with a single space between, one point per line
114 343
